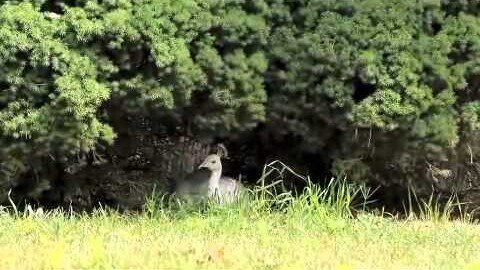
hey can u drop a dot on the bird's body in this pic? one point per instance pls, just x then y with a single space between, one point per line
207 181
194 186
228 189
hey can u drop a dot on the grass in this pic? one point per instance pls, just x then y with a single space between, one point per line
269 230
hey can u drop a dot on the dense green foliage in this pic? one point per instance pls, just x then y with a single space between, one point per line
197 59
386 89
396 80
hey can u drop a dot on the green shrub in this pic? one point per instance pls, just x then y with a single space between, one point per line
62 61
386 88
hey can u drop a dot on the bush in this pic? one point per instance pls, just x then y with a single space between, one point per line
387 89
63 62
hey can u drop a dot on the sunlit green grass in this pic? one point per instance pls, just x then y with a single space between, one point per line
323 228
307 232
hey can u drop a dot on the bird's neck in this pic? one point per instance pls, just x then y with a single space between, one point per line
214 181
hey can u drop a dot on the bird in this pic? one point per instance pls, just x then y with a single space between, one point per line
207 182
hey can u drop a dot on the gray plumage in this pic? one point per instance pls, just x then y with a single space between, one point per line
207 181
229 189
194 186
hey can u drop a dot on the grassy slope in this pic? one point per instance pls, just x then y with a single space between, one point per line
240 237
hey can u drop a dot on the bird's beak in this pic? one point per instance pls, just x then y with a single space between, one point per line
202 166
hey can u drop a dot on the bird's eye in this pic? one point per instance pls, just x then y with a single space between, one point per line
214 161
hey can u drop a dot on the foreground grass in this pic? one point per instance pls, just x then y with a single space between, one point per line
302 236
267 230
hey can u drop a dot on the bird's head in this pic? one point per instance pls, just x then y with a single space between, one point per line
211 162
